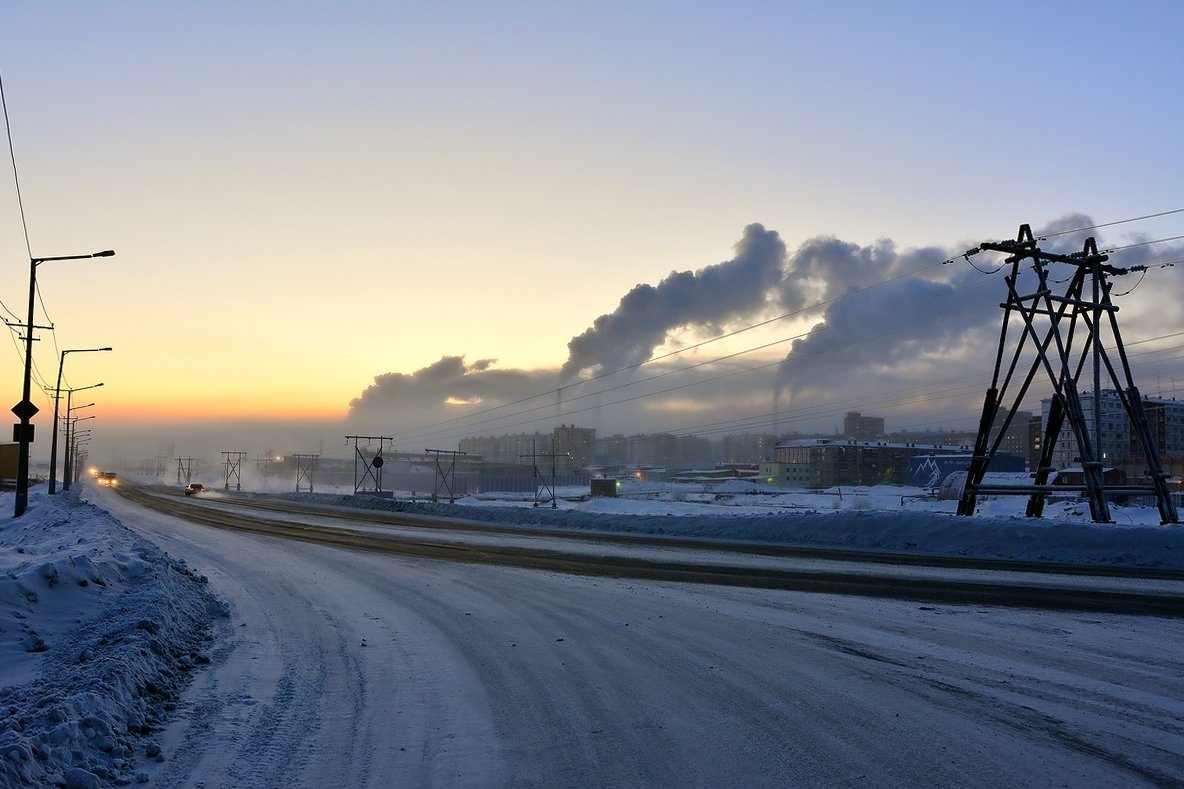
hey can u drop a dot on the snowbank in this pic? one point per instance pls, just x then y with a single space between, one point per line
862 518
98 630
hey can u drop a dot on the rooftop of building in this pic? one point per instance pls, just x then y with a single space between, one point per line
851 442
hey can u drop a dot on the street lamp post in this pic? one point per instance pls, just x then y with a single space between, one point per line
69 400
79 454
75 438
57 395
25 409
70 422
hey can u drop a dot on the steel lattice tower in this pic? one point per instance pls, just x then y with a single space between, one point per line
1084 307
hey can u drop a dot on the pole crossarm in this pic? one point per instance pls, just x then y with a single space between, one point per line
1051 325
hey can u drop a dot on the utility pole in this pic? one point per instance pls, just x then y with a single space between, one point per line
371 467
305 465
22 432
549 487
445 479
184 466
233 467
1060 317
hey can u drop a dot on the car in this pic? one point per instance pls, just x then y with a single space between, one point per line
108 479
194 487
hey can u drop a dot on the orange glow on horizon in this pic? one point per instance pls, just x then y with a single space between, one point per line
238 408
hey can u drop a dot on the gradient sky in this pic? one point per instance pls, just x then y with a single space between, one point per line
306 196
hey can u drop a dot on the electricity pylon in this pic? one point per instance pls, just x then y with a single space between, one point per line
1085 304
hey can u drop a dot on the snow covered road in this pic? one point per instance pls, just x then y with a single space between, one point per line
352 669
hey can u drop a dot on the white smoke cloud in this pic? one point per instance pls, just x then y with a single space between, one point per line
704 299
886 320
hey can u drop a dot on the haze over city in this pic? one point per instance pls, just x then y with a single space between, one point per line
430 222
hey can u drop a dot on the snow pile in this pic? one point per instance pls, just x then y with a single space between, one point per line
98 630
862 518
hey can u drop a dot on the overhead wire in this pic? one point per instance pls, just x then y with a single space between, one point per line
559 390
722 377
882 400
15 175
1141 244
35 371
599 376
636 382
832 407
1046 235
815 412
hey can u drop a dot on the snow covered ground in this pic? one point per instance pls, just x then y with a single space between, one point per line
889 518
98 632
101 631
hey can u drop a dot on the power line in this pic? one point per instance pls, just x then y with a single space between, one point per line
1044 236
725 376
685 349
467 418
860 319
883 399
1141 244
15 177
667 373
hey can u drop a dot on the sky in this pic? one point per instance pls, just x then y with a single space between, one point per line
388 218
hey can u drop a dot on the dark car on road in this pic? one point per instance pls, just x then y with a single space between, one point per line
194 487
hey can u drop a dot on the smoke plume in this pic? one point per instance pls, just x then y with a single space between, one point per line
705 298
883 319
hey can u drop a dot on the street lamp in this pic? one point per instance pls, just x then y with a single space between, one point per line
57 394
69 407
74 439
24 410
67 464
